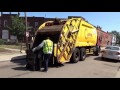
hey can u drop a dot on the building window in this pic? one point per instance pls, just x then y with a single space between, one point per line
36 24
5 23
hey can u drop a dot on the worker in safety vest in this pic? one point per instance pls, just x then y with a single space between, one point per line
47 51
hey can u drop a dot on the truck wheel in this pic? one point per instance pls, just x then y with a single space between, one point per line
75 56
96 51
28 66
82 54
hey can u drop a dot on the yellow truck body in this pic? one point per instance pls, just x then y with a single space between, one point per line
73 33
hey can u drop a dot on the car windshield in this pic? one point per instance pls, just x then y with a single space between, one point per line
113 48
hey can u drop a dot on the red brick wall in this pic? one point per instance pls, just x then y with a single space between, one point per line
31 21
104 38
8 18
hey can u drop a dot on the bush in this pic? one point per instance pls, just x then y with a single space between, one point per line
2 41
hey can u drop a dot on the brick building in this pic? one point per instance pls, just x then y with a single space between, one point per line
104 38
5 19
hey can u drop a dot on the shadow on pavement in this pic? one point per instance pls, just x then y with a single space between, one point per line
19 60
20 68
23 68
23 63
106 60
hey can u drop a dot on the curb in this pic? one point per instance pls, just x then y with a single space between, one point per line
22 58
13 58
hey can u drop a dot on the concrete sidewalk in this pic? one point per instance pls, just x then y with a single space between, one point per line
4 56
14 50
9 57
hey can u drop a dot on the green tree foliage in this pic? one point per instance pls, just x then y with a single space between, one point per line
117 36
17 27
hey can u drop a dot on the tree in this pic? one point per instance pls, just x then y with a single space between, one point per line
17 27
117 36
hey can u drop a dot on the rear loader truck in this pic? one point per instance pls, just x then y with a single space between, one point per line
71 37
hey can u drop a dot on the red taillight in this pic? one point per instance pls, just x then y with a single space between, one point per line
118 53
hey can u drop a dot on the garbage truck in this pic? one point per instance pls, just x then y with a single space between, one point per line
71 37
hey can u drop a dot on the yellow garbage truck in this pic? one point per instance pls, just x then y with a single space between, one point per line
71 37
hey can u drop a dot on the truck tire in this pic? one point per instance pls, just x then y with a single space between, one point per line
28 66
82 54
75 56
96 51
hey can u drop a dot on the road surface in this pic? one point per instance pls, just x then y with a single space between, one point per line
92 67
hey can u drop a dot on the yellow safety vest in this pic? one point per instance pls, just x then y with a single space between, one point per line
48 47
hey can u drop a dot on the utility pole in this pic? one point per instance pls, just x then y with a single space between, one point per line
26 33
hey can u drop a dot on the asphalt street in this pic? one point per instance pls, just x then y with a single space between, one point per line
92 67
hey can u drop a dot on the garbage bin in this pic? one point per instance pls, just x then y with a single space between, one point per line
31 60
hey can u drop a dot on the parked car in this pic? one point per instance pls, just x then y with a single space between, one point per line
111 52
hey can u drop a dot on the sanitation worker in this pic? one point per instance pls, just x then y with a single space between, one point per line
47 46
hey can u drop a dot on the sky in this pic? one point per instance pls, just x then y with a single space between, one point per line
109 21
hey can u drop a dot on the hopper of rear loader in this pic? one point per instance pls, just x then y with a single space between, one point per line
52 31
